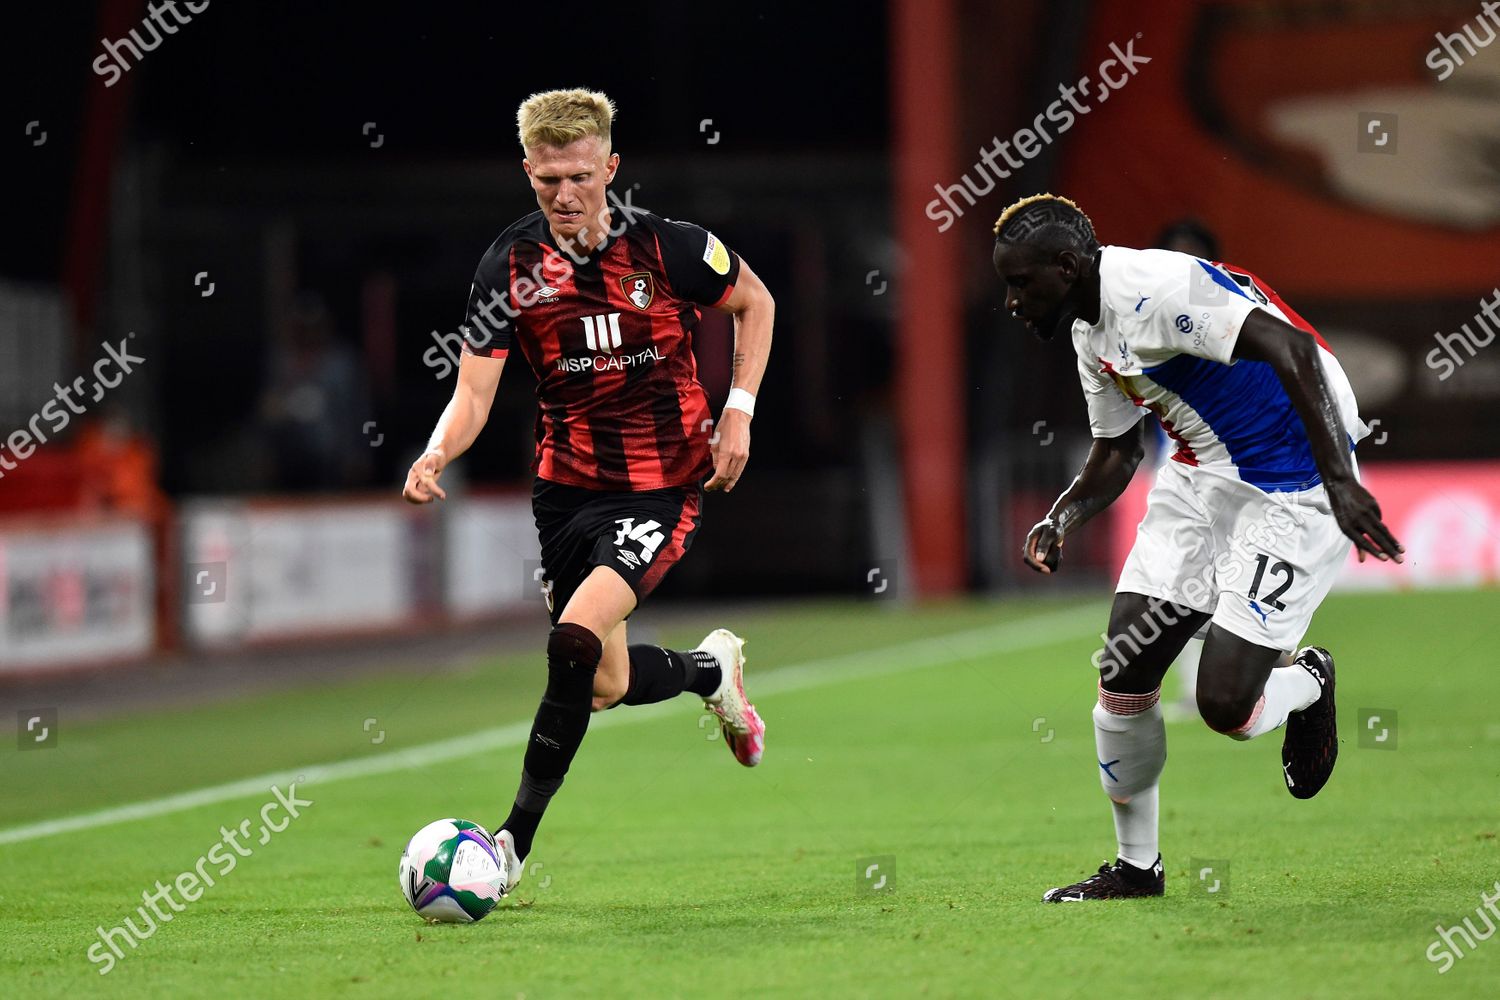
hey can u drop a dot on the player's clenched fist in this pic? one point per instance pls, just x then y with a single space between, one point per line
1043 546
422 479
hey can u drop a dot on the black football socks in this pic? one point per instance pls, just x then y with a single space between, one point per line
562 719
657 674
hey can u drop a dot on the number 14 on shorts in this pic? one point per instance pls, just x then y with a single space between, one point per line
647 534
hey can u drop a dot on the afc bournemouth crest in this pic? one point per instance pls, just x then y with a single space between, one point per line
638 288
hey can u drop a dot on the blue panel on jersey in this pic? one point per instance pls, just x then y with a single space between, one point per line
1222 279
1249 411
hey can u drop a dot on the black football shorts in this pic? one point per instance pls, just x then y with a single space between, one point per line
638 535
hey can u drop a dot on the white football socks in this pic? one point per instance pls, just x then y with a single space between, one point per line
1288 689
1132 743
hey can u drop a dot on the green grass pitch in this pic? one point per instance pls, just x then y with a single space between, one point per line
951 742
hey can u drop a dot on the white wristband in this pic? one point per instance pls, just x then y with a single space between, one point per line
739 399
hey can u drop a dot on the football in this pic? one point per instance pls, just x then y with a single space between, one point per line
451 872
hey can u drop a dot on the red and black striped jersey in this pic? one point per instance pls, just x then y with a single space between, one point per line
609 337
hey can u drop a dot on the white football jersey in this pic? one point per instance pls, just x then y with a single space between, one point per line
1168 323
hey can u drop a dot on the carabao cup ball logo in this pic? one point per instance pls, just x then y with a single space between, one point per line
1184 323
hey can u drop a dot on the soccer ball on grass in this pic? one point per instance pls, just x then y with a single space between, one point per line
451 872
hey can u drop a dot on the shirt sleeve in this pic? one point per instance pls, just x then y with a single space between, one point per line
1203 316
1110 413
699 266
486 327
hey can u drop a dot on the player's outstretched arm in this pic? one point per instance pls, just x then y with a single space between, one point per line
1105 474
754 313
456 429
1293 355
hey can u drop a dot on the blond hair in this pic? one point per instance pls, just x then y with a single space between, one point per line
558 117
1047 218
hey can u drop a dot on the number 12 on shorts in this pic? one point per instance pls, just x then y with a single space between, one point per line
1282 567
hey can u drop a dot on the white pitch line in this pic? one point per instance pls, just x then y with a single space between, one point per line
918 654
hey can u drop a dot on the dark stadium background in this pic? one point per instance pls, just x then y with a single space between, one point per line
908 432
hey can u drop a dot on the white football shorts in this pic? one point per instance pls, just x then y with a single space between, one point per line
1260 563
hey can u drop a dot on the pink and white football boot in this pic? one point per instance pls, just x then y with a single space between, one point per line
741 724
